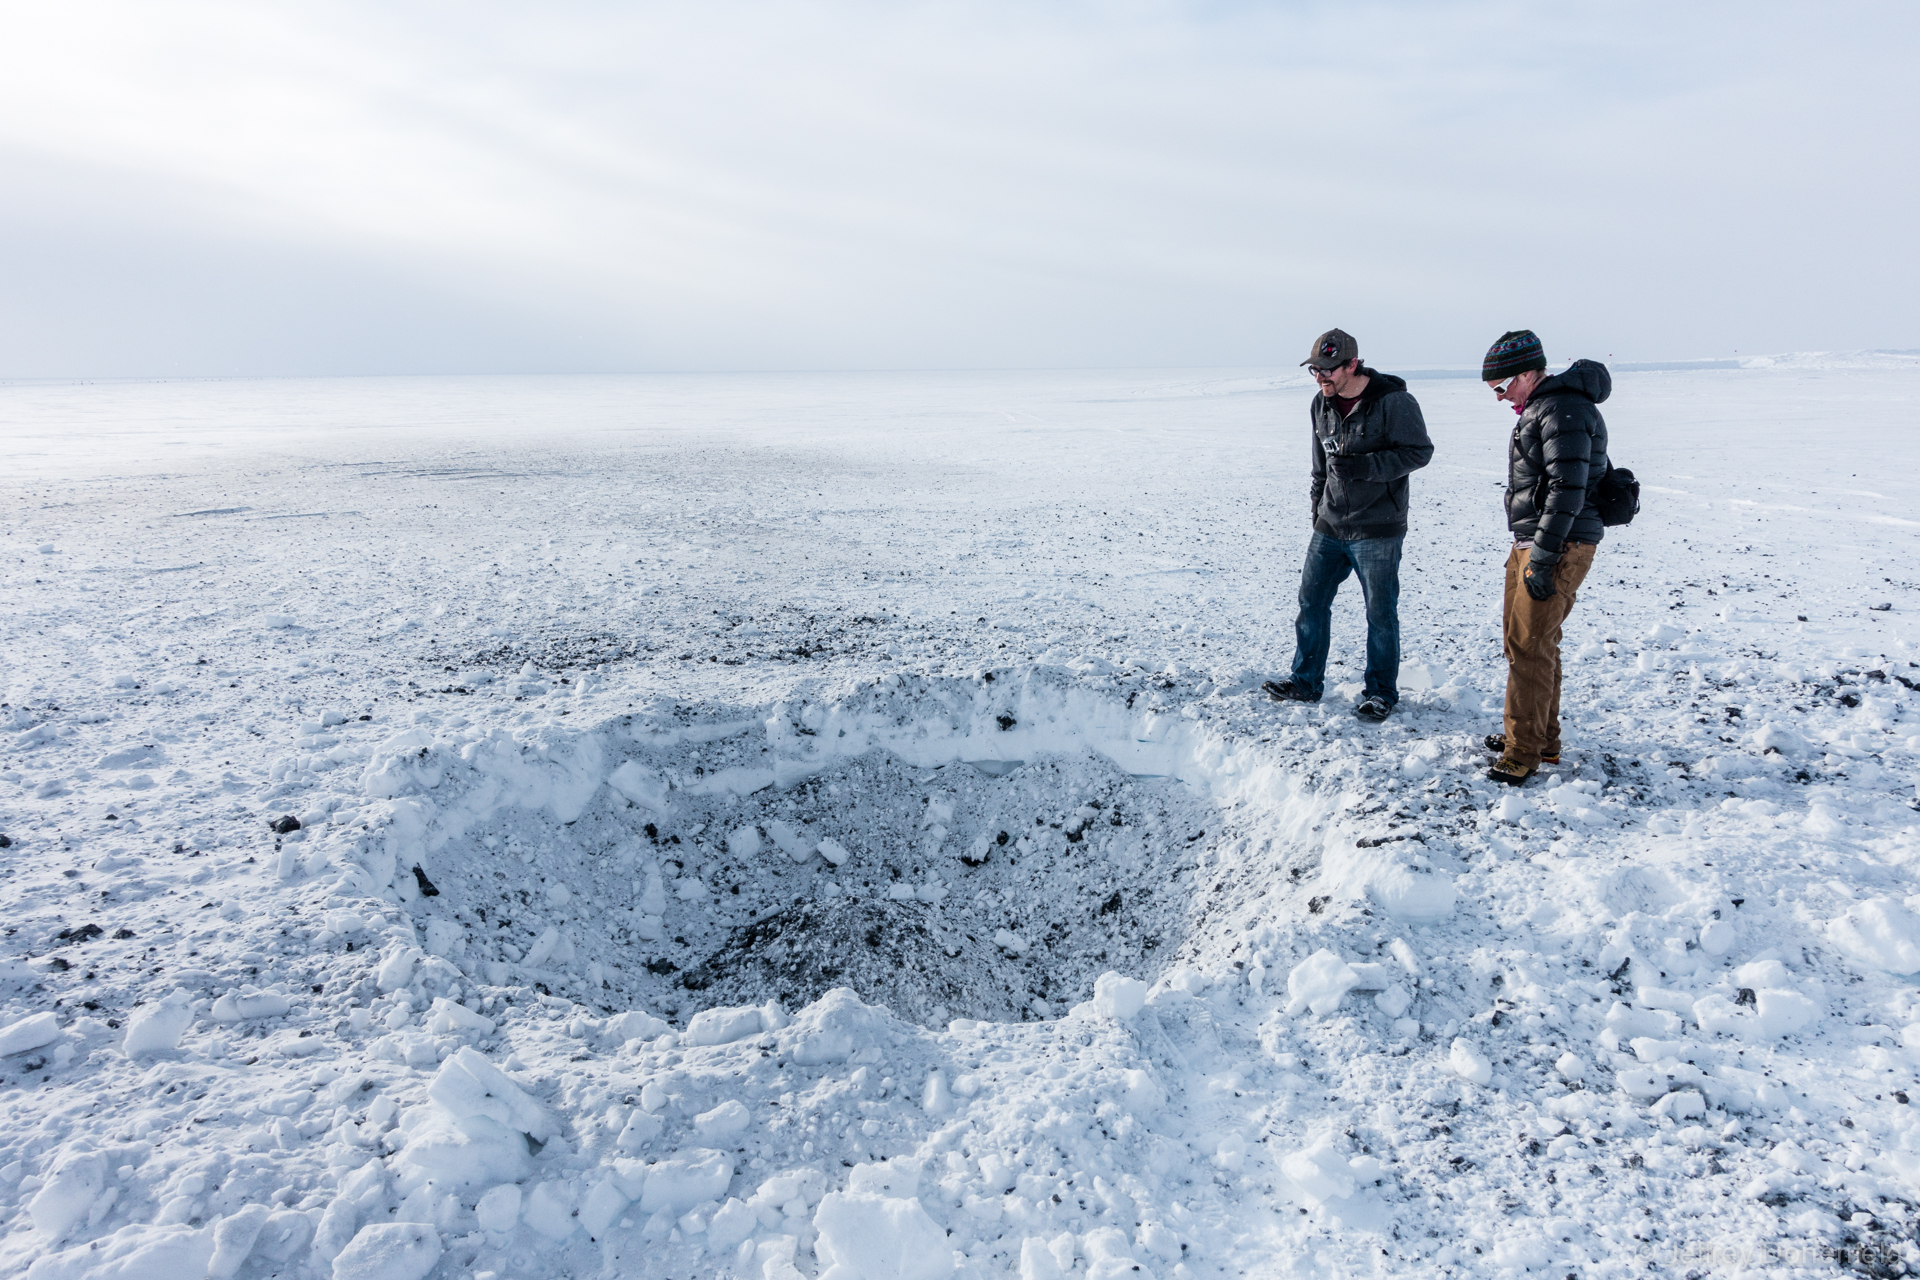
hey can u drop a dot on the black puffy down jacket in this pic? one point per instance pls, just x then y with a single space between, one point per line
1384 439
1557 455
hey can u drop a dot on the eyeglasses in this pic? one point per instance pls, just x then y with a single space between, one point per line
1325 375
1500 388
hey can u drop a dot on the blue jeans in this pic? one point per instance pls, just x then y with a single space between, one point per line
1329 561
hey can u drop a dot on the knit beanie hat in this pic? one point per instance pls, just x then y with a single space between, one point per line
1517 351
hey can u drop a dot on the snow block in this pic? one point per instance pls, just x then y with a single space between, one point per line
834 1028
233 1238
472 1151
724 1026
1879 932
602 1208
449 1016
881 1238
1322 1171
389 1251
157 1028
1117 996
499 1209
33 1032
549 1210
1469 1063
644 786
1319 983
687 1179
238 1006
467 1085
1411 894
729 1118
68 1195
635 1024
138 1252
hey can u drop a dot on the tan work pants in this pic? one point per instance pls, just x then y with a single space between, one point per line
1531 630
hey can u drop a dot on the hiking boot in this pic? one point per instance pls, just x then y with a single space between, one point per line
1497 743
1288 691
1373 710
1510 771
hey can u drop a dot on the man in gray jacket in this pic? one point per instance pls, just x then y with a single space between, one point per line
1368 437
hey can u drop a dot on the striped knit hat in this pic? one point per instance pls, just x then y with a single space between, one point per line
1517 351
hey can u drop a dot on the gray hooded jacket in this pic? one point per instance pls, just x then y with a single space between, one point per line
1362 491
1557 455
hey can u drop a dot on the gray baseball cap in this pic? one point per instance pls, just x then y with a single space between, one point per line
1331 349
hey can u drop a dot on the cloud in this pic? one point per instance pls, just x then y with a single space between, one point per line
210 187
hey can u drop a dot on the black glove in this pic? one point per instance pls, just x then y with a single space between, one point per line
1538 578
1348 466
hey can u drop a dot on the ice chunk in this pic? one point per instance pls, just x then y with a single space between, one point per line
468 1085
635 1024
1627 1022
1665 633
644 786
881 1237
396 971
1322 1171
471 1151
35 1032
602 1208
68 1194
835 852
1394 1000
1469 1063
157 1028
640 1129
543 947
1319 983
549 1210
723 1026
448 1016
690 1177
1879 932
238 1006
1010 941
389 1251
835 1027
233 1238
1117 996
1762 973
1716 937
1781 1013
729 1118
136 1252
499 1209
744 842
1411 893
1570 1067
898 1177
796 842
733 1223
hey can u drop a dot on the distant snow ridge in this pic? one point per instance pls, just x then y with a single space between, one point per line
1835 360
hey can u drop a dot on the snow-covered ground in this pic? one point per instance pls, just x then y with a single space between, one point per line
719 799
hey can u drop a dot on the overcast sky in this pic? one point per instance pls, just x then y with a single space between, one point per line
209 188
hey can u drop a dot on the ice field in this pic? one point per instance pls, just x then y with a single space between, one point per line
829 825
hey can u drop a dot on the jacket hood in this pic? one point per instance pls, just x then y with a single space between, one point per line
1385 384
1587 378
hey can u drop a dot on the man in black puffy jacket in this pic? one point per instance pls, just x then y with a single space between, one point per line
1555 461
1368 436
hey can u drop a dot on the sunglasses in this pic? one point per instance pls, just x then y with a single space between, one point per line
1500 388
